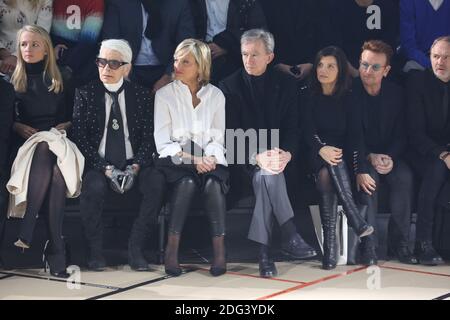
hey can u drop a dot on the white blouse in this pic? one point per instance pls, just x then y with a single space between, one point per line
177 121
14 18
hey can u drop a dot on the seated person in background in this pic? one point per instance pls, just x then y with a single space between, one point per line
428 112
75 31
382 142
40 106
264 101
327 130
6 119
221 24
421 22
113 126
153 28
301 28
357 21
190 126
14 15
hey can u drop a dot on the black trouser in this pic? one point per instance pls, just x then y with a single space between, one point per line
214 204
400 182
434 176
4 195
151 184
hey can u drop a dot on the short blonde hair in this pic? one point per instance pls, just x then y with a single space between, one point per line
202 56
51 71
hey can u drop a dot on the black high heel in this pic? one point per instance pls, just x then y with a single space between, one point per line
54 263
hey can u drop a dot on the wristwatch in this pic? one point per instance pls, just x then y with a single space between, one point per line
109 167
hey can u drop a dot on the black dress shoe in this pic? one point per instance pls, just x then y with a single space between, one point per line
426 254
267 268
403 254
174 272
96 263
297 248
217 271
369 256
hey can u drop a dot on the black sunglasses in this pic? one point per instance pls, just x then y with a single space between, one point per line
113 64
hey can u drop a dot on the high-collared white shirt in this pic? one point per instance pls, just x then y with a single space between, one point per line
177 121
217 17
108 104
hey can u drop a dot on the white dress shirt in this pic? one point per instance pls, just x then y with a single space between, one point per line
217 17
108 103
177 121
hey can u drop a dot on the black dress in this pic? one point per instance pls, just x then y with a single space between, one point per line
326 123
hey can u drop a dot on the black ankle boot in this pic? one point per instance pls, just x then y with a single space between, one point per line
426 254
402 253
369 252
344 190
328 215
55 262
136 258
267 268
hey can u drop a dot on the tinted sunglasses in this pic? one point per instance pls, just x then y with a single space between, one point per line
375 67
113 64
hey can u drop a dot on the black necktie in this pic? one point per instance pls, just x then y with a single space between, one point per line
445 103
115 152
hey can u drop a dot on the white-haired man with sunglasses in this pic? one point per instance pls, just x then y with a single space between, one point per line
113 126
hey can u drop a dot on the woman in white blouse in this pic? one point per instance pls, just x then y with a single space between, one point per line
15 14
189 137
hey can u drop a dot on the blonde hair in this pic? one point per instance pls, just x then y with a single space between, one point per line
202 56
51 71
13 3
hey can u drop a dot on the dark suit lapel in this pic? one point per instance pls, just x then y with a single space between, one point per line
271 108
130 107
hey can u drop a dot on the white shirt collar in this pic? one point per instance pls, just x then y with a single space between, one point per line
113 87
436 4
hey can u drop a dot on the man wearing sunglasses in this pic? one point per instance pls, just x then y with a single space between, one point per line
153 28
113 128
378 109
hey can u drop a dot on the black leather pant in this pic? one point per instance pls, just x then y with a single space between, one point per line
214 204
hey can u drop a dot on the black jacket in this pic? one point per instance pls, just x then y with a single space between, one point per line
390 136
6 118
429 132
280 107
242 15
123 20
89 122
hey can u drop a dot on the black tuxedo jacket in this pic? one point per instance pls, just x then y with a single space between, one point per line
89 120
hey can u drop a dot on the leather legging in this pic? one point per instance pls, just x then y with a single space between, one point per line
213 203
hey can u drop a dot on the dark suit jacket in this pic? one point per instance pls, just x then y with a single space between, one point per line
279 111
391 134
89 122
239 19
429 133
123 20
6 118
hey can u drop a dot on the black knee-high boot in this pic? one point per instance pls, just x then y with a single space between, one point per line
344 190
328 215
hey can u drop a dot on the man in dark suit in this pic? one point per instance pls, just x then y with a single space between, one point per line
153 28
113 128
221 24
429 132
6 119
263 101
382 143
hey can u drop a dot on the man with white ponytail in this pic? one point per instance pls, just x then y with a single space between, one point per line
113 127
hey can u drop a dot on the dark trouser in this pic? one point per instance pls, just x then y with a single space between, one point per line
271 201
152 186
4 195
400 182
147 76
214 204
434 176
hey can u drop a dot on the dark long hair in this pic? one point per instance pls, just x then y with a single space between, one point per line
343 81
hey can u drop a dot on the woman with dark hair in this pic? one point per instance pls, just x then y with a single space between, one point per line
326 130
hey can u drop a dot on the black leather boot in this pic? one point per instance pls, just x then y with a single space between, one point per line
267 267
344 190
369 252
136 258
402 253
328 215
426 254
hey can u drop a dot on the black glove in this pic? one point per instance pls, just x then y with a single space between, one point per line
128 179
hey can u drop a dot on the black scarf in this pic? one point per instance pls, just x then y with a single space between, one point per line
154 22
